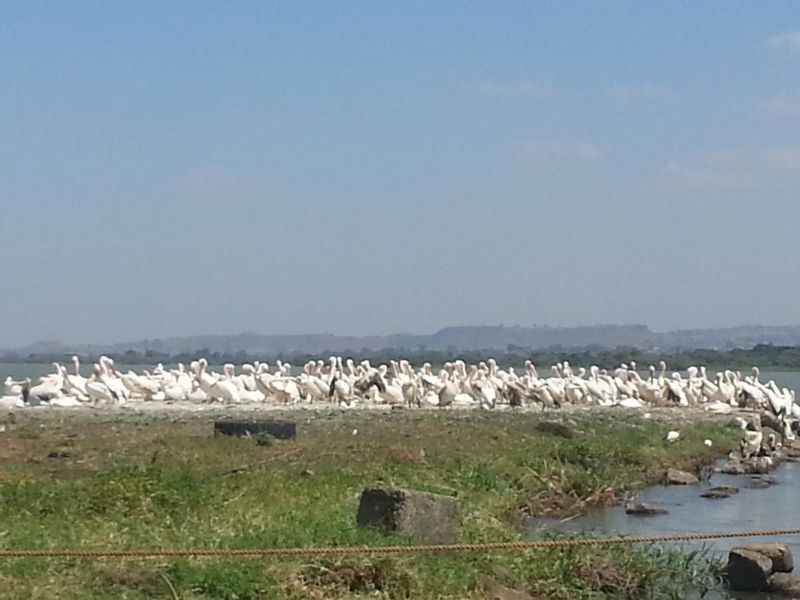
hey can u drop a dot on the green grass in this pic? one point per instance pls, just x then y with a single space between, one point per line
157 482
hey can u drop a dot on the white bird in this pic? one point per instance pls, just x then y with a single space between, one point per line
49 386
630 403
750 444
216 389
76 380
672 436
66 402
708 443
97 390
12 388
284 389
11 401
110 377
458 385
718 408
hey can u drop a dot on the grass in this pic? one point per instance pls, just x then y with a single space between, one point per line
145 482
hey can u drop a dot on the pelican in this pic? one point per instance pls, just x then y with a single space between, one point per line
12 387
96 388
112 380
49 386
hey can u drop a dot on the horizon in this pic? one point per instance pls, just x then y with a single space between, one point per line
69 343
363 167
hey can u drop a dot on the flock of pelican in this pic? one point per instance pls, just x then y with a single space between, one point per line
350 384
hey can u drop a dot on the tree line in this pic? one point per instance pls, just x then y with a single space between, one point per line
763 355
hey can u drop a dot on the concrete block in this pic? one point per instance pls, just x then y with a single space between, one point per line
282 430
422 517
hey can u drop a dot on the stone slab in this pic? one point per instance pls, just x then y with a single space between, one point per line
282 430
420 516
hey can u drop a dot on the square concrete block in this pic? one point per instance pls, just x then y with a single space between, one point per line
282 430
422 517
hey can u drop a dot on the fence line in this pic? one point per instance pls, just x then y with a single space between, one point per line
407 549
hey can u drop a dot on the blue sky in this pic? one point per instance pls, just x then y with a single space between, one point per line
176 168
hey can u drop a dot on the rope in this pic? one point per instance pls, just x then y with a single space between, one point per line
353 550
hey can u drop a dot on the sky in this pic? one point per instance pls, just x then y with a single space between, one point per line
176 168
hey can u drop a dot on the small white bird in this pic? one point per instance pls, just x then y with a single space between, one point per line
355 431
672 436
707 443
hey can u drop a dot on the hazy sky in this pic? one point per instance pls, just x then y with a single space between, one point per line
174 168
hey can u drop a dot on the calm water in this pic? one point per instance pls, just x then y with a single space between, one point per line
750 509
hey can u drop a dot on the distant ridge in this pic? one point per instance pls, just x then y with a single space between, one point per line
466 338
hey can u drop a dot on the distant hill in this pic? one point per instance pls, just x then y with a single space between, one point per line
467 338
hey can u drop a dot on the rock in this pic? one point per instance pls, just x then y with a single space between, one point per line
760 482
644 509
792 451
779 554
556 428
728 489
715 494
678 477
422 517
721 491
784 584
757 465
282 430
748 571
732 467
